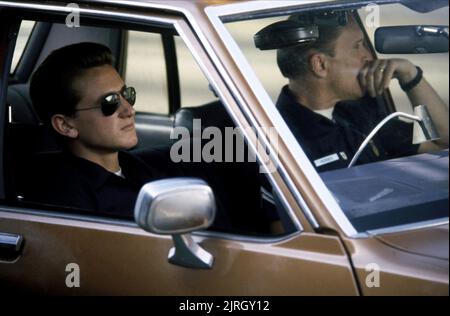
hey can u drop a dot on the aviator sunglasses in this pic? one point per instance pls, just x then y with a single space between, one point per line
111 102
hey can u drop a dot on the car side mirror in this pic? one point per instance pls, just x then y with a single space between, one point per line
412 39
177 207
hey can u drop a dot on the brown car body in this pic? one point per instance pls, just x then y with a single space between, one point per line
117 257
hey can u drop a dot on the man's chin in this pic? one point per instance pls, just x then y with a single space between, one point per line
356 97
129 144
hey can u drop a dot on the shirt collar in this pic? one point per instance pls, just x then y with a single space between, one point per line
299 117
132 168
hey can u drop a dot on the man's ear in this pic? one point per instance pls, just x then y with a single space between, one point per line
62 124
319 65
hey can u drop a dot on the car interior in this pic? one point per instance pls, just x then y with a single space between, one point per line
238 187
404 189
245 196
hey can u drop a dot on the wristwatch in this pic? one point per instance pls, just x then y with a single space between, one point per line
410 85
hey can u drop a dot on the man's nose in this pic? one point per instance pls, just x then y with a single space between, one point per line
126 109
367 55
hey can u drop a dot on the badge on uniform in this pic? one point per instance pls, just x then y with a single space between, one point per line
326 160
329 159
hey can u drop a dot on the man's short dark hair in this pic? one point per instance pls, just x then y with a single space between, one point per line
52 88
294 61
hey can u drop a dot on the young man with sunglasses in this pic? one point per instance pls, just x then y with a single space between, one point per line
81 97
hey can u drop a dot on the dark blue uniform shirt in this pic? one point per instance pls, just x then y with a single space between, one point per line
66 180
331 144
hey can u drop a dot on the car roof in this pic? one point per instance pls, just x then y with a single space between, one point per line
172 4
191 5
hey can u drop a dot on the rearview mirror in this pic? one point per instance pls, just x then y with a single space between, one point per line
412 39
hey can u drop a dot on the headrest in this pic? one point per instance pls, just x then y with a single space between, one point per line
22 109
33 138
211 114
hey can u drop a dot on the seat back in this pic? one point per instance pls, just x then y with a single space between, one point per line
23 142
236 185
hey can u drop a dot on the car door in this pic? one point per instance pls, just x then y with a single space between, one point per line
415 263
119 258
47 249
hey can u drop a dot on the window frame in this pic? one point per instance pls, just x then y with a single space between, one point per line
171 68
130 20
7 45
304 172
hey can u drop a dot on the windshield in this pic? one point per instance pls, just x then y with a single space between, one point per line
333 88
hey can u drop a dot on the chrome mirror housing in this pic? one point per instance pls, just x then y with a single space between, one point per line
177 207
424 129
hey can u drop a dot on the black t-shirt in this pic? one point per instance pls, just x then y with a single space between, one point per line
331 144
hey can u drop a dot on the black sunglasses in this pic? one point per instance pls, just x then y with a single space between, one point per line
111 102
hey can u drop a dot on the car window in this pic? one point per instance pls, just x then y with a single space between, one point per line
246 199
324 77
146 70
193 84
26 27
432 64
